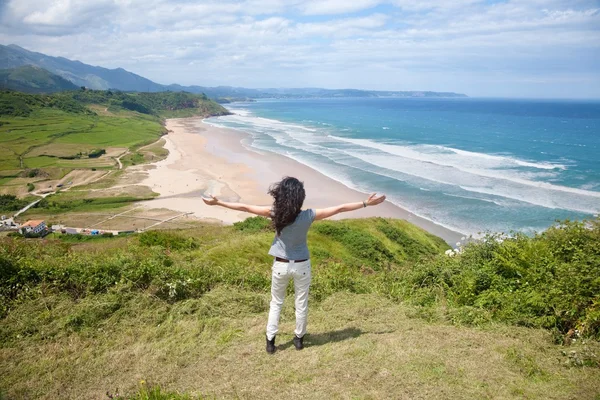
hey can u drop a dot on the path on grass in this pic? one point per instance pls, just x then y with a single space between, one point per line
129 152
119 159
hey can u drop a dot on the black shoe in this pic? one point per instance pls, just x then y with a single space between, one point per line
271 345
299 342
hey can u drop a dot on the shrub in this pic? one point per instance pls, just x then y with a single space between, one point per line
254 224
361 243
168 240
9 202
32 173
412 248
96 153
550 280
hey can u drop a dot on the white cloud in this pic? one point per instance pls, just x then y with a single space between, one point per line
57 17
415 44
421 5
325 7
342 27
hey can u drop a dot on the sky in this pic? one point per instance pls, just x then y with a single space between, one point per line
520 48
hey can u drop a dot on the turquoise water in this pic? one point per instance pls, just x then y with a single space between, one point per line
472 165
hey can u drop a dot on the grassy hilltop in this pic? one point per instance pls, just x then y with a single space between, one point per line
181 314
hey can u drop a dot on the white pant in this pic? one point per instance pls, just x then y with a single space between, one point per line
280 277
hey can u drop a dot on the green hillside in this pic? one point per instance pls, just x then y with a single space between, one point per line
44 137
181 314
30 79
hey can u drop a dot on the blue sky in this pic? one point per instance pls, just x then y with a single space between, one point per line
526 48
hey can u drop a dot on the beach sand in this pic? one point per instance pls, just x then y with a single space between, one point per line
208 160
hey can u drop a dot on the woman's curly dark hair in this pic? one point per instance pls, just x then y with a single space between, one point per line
288 195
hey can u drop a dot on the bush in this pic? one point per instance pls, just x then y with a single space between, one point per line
168 240
32 173
96 153
360 243
550 280
254 224
411 247
9 202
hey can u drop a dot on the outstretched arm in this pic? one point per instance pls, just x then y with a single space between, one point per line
258 210
323 213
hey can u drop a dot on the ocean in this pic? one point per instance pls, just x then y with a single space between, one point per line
471 165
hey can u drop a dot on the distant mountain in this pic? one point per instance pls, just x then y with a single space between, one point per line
226 92
77 72
30 79
102 78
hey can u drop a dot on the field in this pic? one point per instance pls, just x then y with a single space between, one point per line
181 314
48 150
80 138
48 137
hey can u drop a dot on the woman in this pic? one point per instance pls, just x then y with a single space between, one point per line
292 259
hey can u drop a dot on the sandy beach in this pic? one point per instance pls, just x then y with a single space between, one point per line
204 159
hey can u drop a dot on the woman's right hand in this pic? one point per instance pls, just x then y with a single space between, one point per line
373 200
211 200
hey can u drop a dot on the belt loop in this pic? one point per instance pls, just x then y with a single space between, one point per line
292 261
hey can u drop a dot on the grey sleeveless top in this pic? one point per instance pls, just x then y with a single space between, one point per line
291 242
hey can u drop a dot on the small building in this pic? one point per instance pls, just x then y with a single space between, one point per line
34 226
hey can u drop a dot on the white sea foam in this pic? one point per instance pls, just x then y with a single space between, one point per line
538 193
450 156
470 198
240 111
265 122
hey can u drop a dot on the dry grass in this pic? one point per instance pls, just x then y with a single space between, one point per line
77 177
358 346
126 190
48 179
60 149
133 218
15 188
73 219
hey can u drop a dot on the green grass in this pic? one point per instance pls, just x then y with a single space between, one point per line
146 154
393 317
21 135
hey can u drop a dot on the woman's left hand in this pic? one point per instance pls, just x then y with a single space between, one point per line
211 201
373 200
